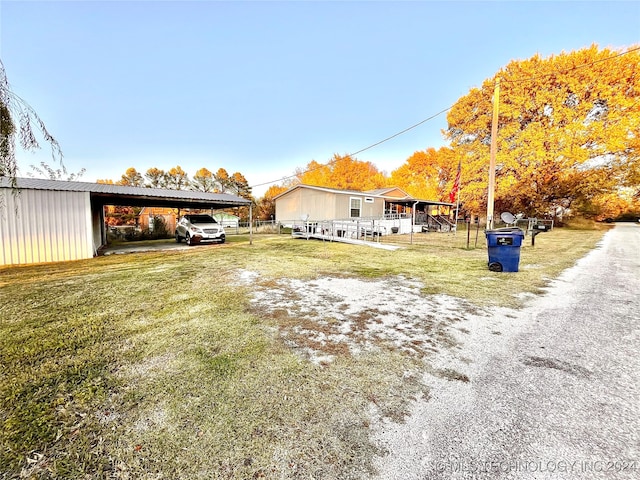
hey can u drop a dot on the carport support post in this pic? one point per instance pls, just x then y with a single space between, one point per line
251 223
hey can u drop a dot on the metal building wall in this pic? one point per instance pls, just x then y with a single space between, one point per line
44 226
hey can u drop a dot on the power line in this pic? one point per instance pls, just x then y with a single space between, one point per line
521 80
330 162
403 131
576 67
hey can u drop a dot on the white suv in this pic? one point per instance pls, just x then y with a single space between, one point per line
199 228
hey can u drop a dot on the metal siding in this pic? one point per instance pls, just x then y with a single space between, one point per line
50 226
56 236
9 227
28 221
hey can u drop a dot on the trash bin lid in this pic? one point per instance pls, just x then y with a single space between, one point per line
505 230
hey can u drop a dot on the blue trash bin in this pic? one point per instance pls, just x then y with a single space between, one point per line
504 249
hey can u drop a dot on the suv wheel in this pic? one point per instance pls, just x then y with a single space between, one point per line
178 238
187 239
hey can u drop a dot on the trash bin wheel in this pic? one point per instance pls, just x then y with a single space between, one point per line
495 267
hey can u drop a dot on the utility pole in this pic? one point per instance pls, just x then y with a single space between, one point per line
492 159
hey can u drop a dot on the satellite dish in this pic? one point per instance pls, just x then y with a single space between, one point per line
507 218
304 217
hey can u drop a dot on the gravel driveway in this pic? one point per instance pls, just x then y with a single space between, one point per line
553 390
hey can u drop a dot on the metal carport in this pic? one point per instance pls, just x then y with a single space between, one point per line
53 220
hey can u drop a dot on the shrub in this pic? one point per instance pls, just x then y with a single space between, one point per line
160 229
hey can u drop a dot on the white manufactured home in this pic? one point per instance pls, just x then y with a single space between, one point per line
384 210
319 203
53 221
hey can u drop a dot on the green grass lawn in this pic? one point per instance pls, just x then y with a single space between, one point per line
156 365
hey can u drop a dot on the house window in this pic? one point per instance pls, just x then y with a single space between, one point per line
355 206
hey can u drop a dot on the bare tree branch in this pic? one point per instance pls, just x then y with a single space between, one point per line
14 110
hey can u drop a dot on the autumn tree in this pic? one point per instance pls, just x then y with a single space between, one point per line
266 208
221 181
238 185
203 181
121 215
342 172
131 178
631 176
235 184
177 178
155 178
567 130
315 173
613 205
427 174
117 215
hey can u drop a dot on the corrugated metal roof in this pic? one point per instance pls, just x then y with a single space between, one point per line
124 191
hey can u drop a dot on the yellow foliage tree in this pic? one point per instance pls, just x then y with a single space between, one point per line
318 174
612 205
156 178
567 130
427 174
222 181
203 181
342 172
267 206
240 186
177 178
131 178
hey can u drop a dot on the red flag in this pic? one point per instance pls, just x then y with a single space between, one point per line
456 186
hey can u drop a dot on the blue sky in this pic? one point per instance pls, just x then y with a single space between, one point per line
265 87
